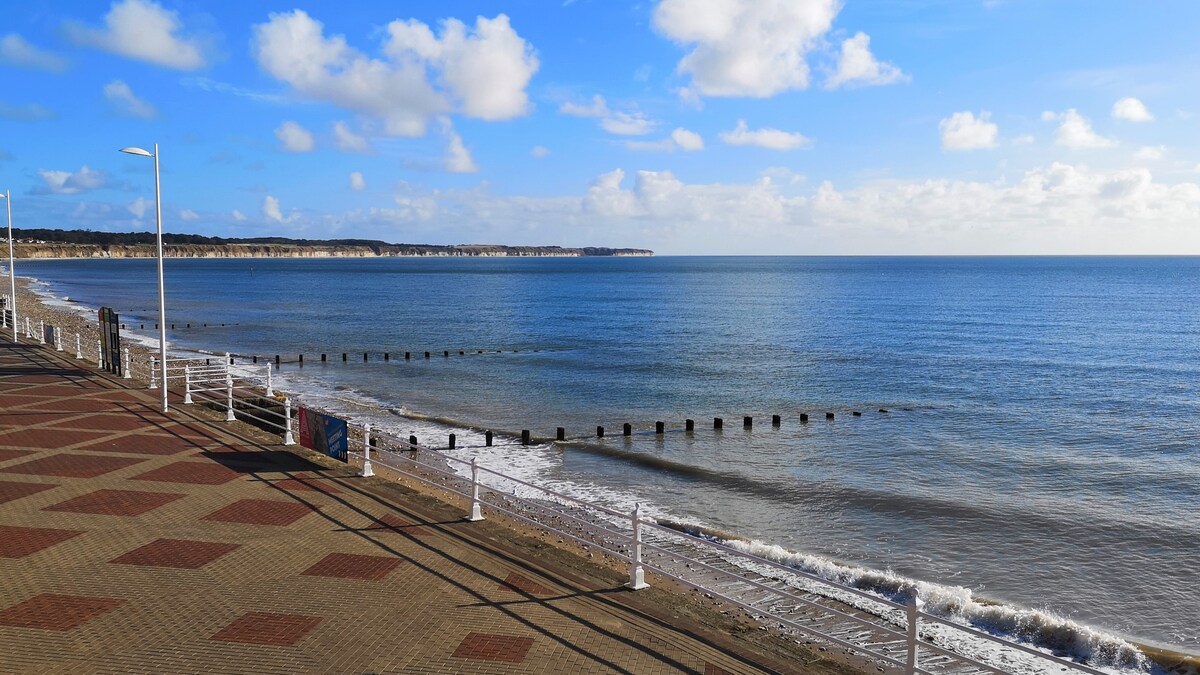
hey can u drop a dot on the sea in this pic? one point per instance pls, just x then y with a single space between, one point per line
1029 427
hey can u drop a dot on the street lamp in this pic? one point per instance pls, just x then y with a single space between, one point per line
12 273
162 298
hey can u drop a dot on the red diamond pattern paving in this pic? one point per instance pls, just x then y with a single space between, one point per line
517 583
18 542
306 484
261 512
264 628
488 647
402 525
350 566
101 422
710 669
198 473
57 612
72 466
59 438
176 553
116 502
9 455
10 490
141 445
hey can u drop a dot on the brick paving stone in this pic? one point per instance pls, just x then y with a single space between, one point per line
141 444
517 583
394 523
199 473
72 466
12 490
58 438
101 422
710 669
265 628
351 566
18 542
261 512
176 553
306 484
50 611
9 455
73 405
489 647
116 502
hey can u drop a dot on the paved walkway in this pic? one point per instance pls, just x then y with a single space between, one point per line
132 541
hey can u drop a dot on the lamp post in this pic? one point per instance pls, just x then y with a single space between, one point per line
12 273
162 298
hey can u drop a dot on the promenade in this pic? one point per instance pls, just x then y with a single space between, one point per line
137 542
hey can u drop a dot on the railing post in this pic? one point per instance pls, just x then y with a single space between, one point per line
187 384
99 354
78 346
57 339
270 389
229 416
153 373
128 373
287 422
41 332
367 471
476 512
28 328
914 608
637 576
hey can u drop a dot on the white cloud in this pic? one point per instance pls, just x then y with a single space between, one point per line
28 112
539 151
294 138
125 102
138 207
857 66
270 209
1075 131
964 131
239 216
15 51
348 141
142 30
597 108
627 124
664 145
1151 152
772 139
1131 109
485 71
189 215
357 182
458 158
1023 139
687 140
70 183
746 47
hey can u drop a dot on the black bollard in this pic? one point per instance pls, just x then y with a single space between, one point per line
386 356
374 441
747 422
452 440
487 439
407 356
856 413
364 357
461 353
189 325
560 434
775 421
803 417
208 362
659 427
276 360
524 437
143 326
322 358
412 440
883 410
254 358
301 359
828 415
426 354
446 353
172 326
343 357
689 425
718 423
599 432
627 429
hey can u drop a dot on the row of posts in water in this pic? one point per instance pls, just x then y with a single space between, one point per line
387 356
660 428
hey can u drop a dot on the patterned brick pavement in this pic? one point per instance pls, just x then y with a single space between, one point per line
137 542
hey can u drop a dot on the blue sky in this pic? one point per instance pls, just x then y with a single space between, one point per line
686 126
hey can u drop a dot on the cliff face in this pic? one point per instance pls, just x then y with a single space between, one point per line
53 250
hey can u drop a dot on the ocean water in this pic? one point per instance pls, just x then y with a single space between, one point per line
1041 445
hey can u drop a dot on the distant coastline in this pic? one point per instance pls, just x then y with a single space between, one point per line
47 244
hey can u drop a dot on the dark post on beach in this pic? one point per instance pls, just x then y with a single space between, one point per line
775 420
628 429
689 425
747 422
322 358
487 439
803 417
301 359
659 428
599 432
412 440
343 356
524 437
718 423
560 434
277 361
452 441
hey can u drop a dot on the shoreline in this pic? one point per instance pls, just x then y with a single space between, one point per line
1179 662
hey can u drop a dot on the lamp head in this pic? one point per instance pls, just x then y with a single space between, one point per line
137 151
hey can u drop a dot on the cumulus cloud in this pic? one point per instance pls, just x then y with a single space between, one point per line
70 183
138 207
16 51
142 30
458 158
238 216
27 112
745 47
857 66
680 139
596 108
189 215
482 73
539 151
125 102
294 138
348 141
357 182
1075 131
1131 109
1151 152
772 139
270 209
620 123
964 131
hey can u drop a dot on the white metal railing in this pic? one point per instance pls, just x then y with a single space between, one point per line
887 631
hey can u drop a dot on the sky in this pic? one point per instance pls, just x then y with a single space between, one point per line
685 126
